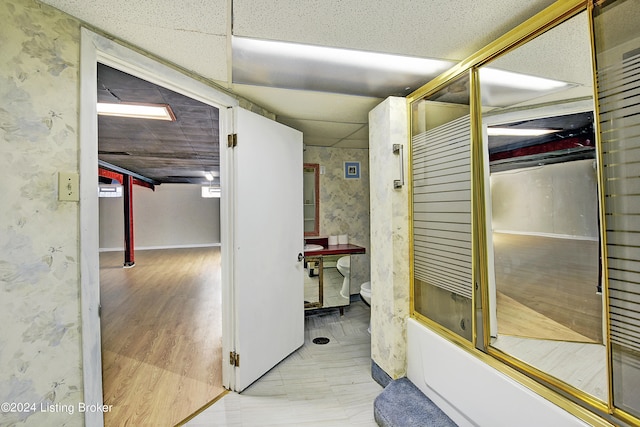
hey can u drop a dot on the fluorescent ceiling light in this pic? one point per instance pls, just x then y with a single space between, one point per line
138 111
496 77
337 56
298 66
497 131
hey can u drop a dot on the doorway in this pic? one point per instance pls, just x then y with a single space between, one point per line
97 49
160 320
266 150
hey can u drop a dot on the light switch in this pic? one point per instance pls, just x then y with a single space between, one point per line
68 186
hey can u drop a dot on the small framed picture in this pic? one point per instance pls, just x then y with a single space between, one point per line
352 170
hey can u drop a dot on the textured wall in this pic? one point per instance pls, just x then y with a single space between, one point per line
40 349
344 203
390 273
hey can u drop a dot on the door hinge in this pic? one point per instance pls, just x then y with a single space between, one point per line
232 140
234 359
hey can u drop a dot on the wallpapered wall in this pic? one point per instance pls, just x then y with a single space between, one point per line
40 345
40 348
344 203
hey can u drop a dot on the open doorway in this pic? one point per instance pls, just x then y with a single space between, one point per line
267 151
160 297
97 49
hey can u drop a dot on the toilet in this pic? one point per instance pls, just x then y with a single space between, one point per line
365 294
344 267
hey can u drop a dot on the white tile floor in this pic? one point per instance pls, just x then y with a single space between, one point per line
582 365
318 385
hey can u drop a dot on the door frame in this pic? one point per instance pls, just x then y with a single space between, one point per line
96 48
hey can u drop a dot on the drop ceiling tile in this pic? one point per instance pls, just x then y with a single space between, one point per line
192 36
353 143
399 26
558 54
310 105
320 141
362 133
200 15
322 129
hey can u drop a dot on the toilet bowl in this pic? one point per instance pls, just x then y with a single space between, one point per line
344 267
365 292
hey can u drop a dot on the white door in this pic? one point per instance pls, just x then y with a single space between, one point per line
267 238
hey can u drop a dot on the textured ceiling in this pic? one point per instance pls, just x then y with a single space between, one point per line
180 151
197 34
441 29
192 34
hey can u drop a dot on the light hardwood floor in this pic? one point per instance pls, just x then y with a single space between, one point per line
161 335
555 278
517 319
549 314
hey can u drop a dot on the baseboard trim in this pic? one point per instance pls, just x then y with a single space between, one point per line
379 375
148 248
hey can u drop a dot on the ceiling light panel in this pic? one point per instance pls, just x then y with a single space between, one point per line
327 69
501 88
513 80
137 111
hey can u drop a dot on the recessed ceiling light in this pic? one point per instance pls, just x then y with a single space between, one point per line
497 131
138 111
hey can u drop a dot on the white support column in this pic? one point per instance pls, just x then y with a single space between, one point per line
389 236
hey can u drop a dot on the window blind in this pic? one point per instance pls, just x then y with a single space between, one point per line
441 164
